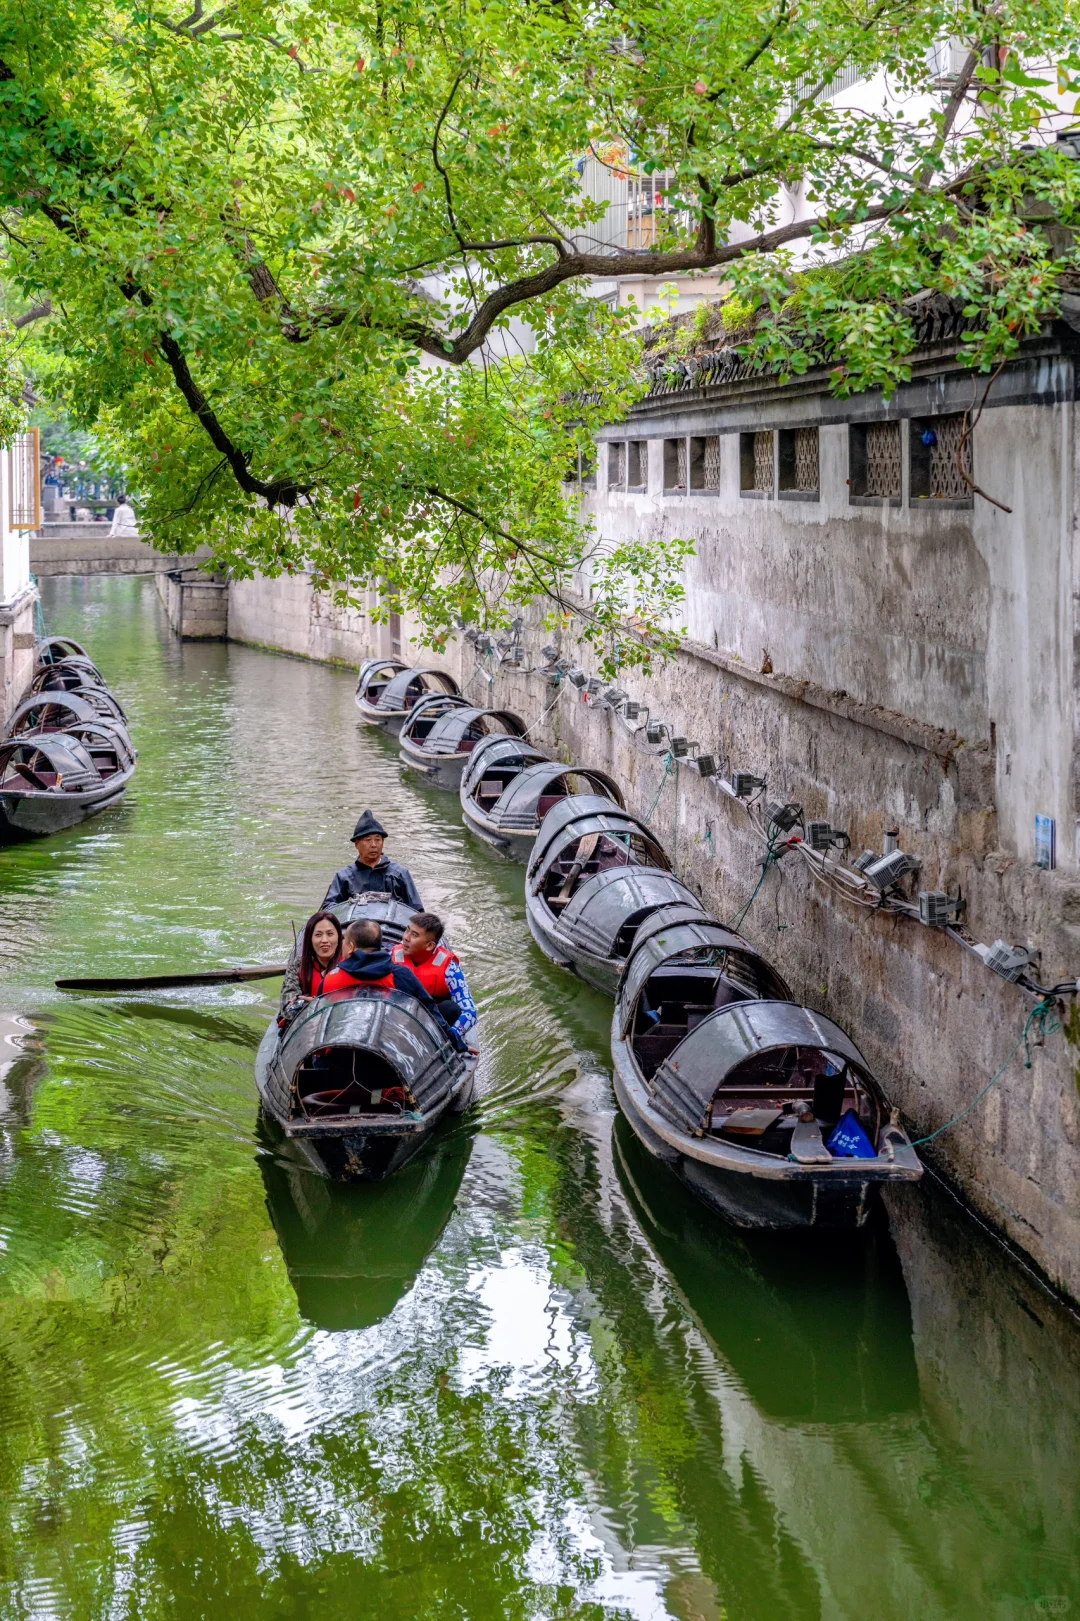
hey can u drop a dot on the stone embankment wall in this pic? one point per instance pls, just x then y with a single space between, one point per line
196 604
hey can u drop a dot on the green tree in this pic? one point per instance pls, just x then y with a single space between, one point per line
285 252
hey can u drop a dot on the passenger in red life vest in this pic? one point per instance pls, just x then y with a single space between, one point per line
438 970
366 963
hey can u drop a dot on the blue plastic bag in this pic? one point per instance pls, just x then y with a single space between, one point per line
849 1140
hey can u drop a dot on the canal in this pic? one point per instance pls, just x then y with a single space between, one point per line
528 1378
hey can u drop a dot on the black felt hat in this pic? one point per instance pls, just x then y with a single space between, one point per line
366 826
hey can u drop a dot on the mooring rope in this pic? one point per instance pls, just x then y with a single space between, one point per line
1043 1016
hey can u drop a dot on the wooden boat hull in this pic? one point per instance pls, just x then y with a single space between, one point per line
36 814
389 1032
602 972
748 1189
438 770
517 846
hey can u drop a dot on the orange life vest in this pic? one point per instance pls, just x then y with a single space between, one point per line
432 973
338 980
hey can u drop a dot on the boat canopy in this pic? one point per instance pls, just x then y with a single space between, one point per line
458 731
521 804
578 815
371 669
102 701
498 750
664 938
51 712
393 916
67 675
606 908
48 762
54 648
385 1023
687 1081
409 685
427 710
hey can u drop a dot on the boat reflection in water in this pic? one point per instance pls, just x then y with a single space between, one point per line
816 1333
353 1252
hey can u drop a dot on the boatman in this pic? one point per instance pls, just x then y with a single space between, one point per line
437 969
372 872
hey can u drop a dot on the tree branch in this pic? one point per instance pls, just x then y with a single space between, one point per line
38 313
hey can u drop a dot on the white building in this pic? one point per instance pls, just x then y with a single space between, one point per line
20 514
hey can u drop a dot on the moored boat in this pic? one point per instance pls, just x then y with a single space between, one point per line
443 754
53 780
52 649
391 704
426 711
67 675
595 875
505 806
766 1110
371 678
54 711
359 1080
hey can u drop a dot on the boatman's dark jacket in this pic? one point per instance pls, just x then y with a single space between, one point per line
386 878
379 968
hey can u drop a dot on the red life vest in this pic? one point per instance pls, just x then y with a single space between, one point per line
432 973
338 980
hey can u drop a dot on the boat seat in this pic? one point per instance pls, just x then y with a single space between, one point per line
36 779
656 1045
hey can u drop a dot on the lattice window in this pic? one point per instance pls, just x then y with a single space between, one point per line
637 464
712 462
675 464
616 466
936 457
883 459
799 470
806 458
588 468
763 461
24 462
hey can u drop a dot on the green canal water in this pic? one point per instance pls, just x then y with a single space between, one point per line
527 1378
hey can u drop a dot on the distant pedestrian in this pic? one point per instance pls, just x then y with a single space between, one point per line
123 522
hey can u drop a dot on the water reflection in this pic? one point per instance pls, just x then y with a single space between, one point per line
816 1331
353 1252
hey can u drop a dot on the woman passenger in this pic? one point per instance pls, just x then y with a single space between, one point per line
319 952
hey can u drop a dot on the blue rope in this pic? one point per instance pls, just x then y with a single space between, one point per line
669 758
1048 1025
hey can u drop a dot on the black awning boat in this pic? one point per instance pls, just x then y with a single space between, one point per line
595 875
371 679
766 1110
426 711
53 649
54 711
392 703
360 1079
67 675
506 805
52 780
442 755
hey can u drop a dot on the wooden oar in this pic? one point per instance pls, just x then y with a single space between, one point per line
163 982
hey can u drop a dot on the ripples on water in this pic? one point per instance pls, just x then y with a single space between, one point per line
526 1378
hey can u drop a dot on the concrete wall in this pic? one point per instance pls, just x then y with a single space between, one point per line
88 548
287 613
196 605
